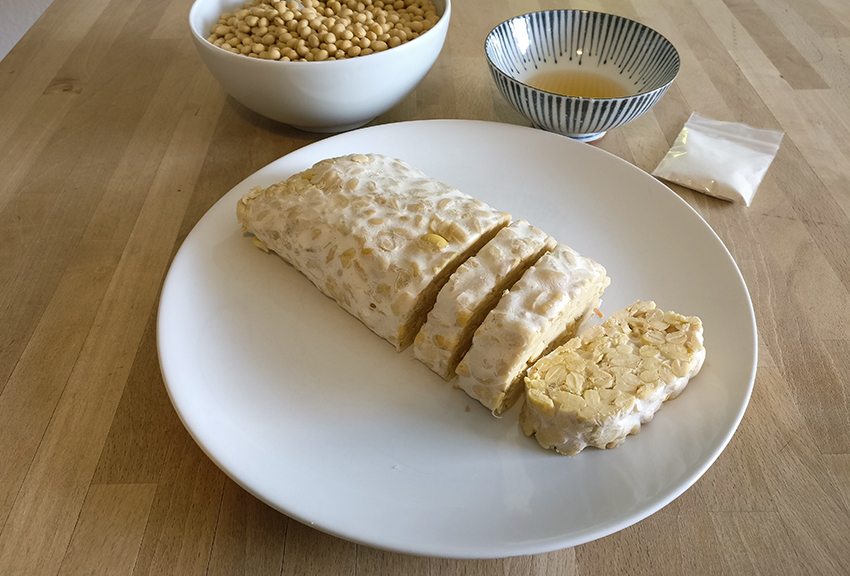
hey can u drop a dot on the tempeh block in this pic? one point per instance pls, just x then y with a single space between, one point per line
600 387
541 311
473 290
373 233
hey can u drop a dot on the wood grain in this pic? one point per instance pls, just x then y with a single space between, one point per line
115 140
107 536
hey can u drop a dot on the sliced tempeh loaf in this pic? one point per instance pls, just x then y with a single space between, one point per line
473 290
542 310
373 233
601 386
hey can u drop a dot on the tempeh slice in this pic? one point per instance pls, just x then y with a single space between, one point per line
373 233
473 290
541 311
601 386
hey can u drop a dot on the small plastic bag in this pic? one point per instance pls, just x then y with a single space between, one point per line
727 160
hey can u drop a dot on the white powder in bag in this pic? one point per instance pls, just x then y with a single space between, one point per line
727 160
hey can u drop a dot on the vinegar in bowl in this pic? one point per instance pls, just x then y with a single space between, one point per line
578 83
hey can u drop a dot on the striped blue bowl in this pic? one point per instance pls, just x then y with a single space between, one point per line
635 56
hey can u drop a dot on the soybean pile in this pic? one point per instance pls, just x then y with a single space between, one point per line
311 30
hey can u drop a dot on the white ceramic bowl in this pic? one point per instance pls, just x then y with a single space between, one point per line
640 60
329 96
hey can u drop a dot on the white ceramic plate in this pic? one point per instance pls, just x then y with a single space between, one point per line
311 412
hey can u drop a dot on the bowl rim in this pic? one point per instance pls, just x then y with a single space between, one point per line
445 16
496 68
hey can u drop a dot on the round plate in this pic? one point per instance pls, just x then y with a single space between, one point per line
312 413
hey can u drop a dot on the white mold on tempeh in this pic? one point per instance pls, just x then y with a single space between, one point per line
373 233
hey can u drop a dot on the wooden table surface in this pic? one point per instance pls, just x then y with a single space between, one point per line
115 140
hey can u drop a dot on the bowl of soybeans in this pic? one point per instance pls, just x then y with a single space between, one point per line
319 66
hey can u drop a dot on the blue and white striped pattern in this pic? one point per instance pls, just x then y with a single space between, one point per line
638 56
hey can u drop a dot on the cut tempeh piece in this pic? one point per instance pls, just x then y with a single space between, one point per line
542 310
601 386
373 233
473 290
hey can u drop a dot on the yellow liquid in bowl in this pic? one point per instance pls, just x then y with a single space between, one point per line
578 83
